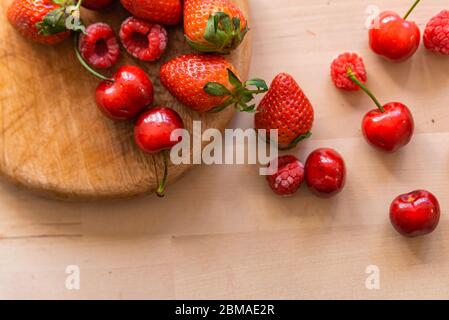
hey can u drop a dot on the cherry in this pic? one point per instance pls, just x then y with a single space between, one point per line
393 37
124 95
415 214
153 133
97 4
389 127
325 172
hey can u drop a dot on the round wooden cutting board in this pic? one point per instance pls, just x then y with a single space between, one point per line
53 139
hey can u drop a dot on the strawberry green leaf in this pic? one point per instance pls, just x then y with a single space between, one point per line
52 23
260 84
222 34
61 19
223 106
236 23
299 139
233 79
216 89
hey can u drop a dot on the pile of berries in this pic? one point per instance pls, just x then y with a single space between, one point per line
202 82
207 82
390 127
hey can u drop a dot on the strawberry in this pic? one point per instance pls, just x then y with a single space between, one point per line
166 12
214 25
45 21
207 83
285 108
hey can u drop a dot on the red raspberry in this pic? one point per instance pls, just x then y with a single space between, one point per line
143 40
99 46
289 176
436 35
340 67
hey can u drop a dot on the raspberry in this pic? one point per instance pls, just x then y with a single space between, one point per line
289 176
340 67
436 35
143 40
99 46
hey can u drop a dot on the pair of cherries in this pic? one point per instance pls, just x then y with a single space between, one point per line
126 95
391 126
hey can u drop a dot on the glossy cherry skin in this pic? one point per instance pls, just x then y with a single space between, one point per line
393 37
97 4
390 130
415 214
154 128
129 92
325 172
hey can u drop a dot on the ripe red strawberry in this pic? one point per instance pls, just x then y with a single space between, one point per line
289 176
214 25
436 35
43 21
99 46
97 4
285 108
166 12
208 83
143 40
340 67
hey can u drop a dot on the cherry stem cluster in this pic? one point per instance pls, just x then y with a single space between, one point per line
85 64
351 75
411 9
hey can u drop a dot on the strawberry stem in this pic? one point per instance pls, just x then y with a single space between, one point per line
85 64
161 188
351 75
240 96
411 9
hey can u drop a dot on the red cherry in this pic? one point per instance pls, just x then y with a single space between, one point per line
388 127
153 133
393 37
325 172
154 128
97 4
415 214
389 130
126 94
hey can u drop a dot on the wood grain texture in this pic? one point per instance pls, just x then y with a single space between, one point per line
221 233
52 137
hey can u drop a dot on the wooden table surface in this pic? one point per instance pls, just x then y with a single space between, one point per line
221 233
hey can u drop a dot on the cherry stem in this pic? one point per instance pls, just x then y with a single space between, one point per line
78 5
411 9
160 190
351 75
85 64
